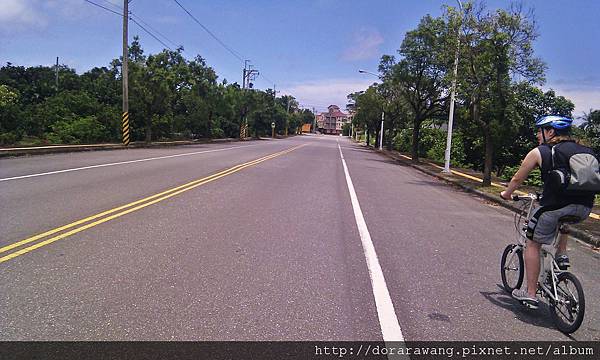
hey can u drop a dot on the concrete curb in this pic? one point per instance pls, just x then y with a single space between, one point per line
54 149
579 234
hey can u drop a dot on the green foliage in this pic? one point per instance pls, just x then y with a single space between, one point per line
346 129
417 80
437 150
170 97
433 145
494 114
591 130
7 96
534 178
217 133
85 130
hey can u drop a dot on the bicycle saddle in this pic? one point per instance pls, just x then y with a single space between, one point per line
569 219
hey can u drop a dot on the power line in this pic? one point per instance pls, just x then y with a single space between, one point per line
115 5
143 22
103 7
153 29
137 23
149 33
233 52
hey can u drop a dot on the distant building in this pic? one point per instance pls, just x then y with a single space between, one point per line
332 121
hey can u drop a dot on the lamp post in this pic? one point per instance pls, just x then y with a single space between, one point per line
382 112
452 96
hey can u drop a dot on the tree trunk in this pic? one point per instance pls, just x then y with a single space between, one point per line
255 127
368 137
415 141
377 138
149 130
209 127
489 153
390 137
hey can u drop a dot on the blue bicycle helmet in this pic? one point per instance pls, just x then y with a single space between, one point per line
555 122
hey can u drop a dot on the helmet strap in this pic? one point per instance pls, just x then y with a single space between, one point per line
544 141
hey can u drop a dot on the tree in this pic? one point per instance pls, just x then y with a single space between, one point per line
9 121
591 129
170 97
419 75
526 103
494 47
369 105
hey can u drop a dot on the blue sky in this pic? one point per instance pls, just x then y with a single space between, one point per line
311 49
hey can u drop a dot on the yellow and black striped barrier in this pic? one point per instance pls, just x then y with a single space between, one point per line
244 130
125 125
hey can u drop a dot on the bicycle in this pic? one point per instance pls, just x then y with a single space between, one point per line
562 289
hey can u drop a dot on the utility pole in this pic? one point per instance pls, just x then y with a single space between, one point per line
125 72
452 97
56 77
248 75
274 103
314 129
381 131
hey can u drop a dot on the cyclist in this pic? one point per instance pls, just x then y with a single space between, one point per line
544 221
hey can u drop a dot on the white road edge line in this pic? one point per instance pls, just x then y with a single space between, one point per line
119 163
390 328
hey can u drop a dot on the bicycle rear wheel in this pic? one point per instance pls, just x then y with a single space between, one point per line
512 268
567 313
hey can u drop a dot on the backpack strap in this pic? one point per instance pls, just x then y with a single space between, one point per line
547 161
554 148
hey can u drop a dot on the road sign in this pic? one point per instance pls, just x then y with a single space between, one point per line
272 125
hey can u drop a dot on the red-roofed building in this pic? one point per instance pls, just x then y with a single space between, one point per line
332 121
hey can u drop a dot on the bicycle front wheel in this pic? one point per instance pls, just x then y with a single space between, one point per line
568 311
512 268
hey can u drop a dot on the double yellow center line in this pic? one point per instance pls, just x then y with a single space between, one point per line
105 216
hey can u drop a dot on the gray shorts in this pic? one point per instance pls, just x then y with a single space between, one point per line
544 221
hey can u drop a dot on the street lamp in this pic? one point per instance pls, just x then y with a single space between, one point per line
452 96
382 112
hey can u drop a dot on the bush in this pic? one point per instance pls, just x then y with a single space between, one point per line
217 133
8 138
534 178
432 145
402 141
82 130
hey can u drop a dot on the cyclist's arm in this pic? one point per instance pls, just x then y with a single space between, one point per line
531 161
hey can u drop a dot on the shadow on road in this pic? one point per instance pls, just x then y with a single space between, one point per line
539 317
427 183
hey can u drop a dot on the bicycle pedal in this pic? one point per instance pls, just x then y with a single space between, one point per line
530 305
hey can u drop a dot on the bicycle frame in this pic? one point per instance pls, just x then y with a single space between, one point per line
553 270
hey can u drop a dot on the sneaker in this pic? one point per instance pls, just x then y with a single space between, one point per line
562 261
524 298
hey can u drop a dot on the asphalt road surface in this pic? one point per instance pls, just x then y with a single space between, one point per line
205 243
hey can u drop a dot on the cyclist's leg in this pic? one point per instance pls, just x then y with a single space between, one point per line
532 266
542 227
563 237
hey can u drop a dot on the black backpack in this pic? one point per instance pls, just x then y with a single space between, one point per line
575 169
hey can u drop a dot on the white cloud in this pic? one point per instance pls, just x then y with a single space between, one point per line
320 94
16 14
584 97
365 46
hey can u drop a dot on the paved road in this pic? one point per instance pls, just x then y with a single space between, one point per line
268 250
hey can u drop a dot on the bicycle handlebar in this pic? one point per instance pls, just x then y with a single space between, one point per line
526 197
